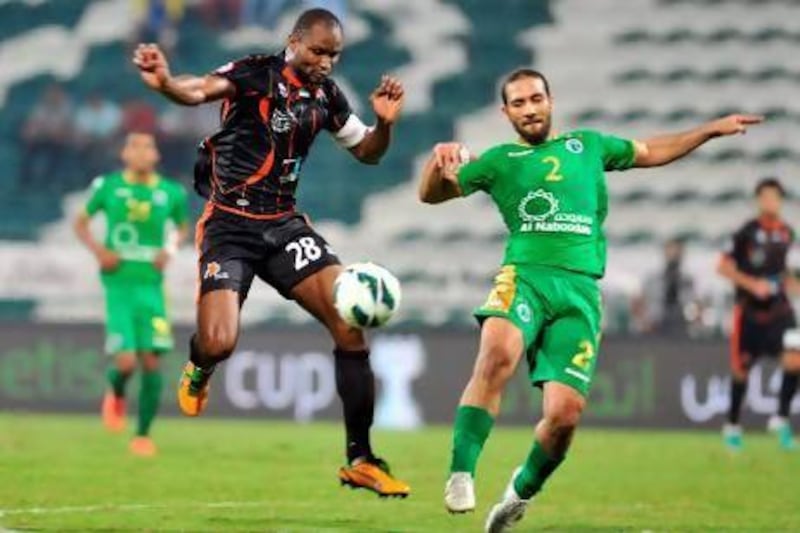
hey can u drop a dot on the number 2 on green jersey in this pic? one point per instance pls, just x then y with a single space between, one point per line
553 175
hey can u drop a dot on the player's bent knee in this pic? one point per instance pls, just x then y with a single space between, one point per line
791 361
126 363
217 342
565 413
150 362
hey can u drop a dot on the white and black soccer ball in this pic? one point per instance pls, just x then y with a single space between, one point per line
366 295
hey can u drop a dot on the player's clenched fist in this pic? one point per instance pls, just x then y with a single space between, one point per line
152 64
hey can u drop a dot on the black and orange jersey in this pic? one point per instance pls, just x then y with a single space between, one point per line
760 248
267 129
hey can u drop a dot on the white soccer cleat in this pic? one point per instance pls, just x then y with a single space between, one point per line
775 422
509 511
459 493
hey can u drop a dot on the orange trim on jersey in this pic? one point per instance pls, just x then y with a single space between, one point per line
290 75
253 216
263 109
199 234
771 223
737 361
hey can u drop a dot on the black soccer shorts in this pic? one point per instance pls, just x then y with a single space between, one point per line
752 338
282 252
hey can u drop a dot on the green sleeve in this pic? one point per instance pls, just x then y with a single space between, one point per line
97 196
180 208
617 153
476 175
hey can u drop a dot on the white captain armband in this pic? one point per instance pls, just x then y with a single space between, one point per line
352 133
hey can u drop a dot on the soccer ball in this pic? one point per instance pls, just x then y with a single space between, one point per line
366 295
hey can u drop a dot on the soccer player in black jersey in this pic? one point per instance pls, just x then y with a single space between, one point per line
764 322
273 106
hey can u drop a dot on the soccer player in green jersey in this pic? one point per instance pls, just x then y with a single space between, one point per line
545 304
138 204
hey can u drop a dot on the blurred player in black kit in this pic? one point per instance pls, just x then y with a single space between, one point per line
764 321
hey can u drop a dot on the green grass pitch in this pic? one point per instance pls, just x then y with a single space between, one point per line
66 474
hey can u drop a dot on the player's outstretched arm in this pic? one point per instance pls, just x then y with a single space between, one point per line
439 182
387 102
184 90
664 149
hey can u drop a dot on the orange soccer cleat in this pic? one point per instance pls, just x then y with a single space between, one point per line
193 390
374 475
113 411
143 447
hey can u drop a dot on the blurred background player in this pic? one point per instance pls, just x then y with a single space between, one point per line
764 321
139 205
551 192
273 108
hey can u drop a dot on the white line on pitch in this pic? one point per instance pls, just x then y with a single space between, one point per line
125 507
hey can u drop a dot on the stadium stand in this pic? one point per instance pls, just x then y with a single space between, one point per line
718 56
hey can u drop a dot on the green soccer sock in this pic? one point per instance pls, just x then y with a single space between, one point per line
149 398
470 431
117 380
537 468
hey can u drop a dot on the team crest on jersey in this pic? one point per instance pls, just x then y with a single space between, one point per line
160 198
524 312
575 146
281 121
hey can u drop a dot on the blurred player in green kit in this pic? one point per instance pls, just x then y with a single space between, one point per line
545 305
139 205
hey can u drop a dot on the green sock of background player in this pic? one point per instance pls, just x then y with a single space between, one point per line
149 399
470 431
117 380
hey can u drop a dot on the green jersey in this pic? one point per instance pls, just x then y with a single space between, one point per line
136 216
552 197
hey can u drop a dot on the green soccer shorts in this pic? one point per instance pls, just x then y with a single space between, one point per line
136 319
559 314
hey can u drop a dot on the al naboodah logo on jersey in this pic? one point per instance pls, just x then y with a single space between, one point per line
540 212
536 207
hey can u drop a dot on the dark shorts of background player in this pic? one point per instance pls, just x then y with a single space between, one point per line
752 338
234 249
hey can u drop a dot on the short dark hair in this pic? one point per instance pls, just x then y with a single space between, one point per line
519 74
770 183
312 17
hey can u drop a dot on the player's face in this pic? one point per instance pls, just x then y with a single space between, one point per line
769 201
316 51
529 108
140 153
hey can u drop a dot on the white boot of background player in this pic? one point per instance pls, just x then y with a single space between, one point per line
459 493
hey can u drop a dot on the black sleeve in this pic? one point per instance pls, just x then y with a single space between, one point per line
736 248
338 109
252 74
